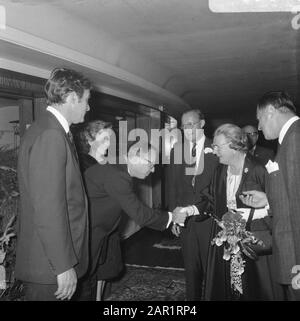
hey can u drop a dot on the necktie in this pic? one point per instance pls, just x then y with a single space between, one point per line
194 151
193 155
71 139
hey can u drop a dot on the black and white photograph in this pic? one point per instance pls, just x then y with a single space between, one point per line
150 151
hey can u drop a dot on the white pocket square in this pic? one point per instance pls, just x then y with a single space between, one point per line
272 167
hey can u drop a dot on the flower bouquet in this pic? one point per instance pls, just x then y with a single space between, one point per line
235 238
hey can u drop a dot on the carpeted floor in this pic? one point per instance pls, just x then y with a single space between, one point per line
153 248
154 269
149 284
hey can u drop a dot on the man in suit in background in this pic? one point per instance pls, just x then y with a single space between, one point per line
277 118
187 181
262 154
52 247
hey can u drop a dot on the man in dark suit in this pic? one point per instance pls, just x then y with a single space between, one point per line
110 191
262 154
52 247
277 118
187 180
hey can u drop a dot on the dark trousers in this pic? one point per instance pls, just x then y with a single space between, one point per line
290 294
86 288
195 242
40 292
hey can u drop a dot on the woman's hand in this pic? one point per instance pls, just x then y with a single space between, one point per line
254 199
248 251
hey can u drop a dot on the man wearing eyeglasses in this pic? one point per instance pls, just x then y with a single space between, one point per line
188 180
111 194
262 154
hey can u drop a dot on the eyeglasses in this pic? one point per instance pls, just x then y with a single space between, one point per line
252 134
217 147
189 125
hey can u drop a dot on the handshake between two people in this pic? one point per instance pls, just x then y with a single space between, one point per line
255 199
179 215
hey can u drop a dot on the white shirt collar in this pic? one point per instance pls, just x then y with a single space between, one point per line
61 119
286 127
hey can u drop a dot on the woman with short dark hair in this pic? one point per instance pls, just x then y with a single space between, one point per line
92 142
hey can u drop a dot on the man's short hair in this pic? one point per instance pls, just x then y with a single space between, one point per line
249 125
196 111
138 148
278 99
63 81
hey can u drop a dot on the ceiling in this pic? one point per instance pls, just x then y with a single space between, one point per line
225 61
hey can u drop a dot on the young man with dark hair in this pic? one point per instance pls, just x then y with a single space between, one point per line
52 247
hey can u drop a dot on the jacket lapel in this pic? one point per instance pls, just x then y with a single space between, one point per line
222 179
206 162
221 190
246 168
54 123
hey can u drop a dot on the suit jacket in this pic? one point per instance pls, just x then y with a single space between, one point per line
181 191
53 219
195 235
263 155
284 198
110 192
86 161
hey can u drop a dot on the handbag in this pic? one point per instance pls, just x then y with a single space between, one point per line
261 228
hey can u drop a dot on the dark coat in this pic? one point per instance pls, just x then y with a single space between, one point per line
284 198
181 191
110 192
110 262
263 155
195 235
258 280
86 161
53 220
